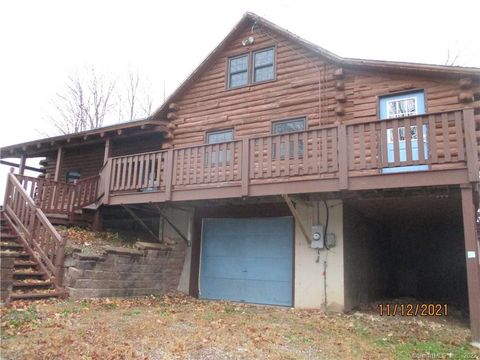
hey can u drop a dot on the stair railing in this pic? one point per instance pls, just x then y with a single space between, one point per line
35 231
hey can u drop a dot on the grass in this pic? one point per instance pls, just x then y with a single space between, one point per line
181 327
21 317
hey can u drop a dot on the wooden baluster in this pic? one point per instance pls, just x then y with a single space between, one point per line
181 166
334 149
128 174
361 143
373 146
231 161
446 140
383 143
421 143
459 133
158 176
295 160
216 150
202 153
194 164
396 143
146 172
432 139
408 123
351 142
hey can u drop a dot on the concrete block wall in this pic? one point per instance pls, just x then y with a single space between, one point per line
125 272
7 260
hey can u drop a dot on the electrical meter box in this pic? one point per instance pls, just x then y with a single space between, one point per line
317 237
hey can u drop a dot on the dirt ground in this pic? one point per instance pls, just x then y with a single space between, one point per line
180 327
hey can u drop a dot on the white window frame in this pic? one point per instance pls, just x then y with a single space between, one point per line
398 100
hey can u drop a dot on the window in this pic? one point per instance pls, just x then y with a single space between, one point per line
216 137
238 71
285 127
254 67
72 176
263 65
402 107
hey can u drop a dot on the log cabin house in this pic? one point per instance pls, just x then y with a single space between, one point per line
298 177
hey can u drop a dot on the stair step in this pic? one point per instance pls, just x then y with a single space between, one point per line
5 236
21 284
23 255
22 274
25 263
35 295
10 246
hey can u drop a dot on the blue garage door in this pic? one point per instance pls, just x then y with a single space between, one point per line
247 260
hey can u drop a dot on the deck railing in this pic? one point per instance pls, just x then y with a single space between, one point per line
55 197
337 151
34 229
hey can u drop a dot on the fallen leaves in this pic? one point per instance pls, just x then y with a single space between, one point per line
178 326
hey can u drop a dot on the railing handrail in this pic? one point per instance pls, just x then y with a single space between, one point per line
42 217
89 178
36 229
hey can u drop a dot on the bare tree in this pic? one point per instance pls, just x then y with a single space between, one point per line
92 97
136 100
83 104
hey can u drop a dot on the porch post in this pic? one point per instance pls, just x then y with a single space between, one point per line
108 151
21 167
58 166
473 265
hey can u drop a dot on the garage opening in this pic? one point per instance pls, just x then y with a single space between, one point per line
405 247
247 260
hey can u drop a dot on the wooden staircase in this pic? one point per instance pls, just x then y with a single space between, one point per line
29 280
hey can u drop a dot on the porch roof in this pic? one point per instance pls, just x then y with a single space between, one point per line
43 146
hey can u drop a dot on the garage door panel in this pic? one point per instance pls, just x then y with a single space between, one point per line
250 268
248 259
251 291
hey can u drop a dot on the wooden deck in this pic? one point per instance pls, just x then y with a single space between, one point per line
353 156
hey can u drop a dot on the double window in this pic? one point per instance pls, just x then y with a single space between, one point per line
251 68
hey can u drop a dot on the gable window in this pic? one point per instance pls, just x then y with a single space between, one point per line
285 127
238 71
218 156
254 67
263 65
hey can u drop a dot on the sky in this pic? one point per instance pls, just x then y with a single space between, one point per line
45 42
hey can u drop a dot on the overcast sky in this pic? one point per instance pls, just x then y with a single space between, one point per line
43 42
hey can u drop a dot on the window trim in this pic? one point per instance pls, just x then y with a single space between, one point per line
229 73
216 131
249 53
305 121
400 93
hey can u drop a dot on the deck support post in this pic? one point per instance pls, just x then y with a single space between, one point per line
108 150
97 224
21 167
58 166
473 265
